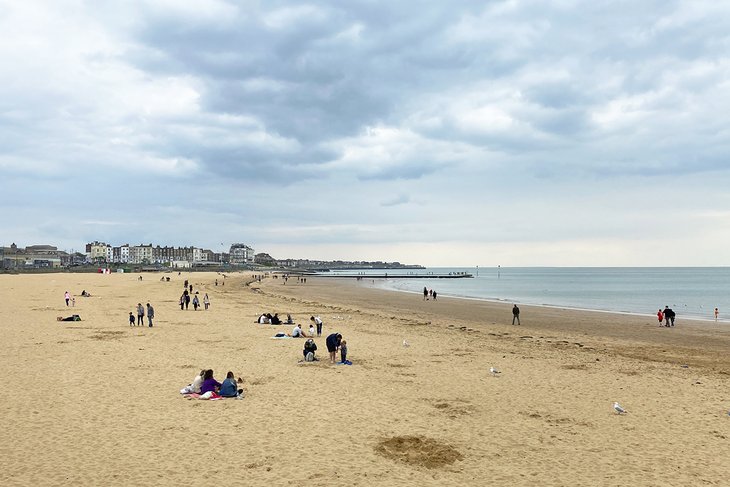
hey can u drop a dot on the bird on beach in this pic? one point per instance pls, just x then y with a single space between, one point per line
406 344
619 410
494 371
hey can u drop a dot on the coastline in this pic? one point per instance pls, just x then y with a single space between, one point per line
556 306
101 403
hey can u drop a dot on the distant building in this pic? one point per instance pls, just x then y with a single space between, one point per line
140 254
241 254
99 252
265 259
33 256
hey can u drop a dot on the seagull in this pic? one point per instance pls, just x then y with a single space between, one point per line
494 371
406 344
619 410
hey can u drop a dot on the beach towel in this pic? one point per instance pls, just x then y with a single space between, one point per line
280 336
210 396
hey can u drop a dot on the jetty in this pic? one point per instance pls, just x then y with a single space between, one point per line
390 275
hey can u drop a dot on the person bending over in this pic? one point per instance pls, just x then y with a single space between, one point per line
333 343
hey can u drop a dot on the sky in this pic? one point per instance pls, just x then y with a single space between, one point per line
460 133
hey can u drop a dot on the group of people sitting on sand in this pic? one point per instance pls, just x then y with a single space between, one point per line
269 319
207 387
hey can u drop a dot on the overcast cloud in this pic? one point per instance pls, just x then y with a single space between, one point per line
517 132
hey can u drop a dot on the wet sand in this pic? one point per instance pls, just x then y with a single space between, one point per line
97 402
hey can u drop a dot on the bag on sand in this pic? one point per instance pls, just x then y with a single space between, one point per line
309 357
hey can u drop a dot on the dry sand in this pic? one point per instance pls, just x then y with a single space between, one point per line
97 402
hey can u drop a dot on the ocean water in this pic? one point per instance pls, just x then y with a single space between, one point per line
693 292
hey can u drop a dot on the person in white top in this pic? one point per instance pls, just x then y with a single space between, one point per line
195 386
297 332
317 321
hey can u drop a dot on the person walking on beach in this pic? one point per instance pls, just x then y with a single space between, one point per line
660 316
67 297
131 319
425 293
196 302
150 314
669 316
717 313
206 300
140 314
516 315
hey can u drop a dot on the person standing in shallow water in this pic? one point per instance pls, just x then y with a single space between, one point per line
516 315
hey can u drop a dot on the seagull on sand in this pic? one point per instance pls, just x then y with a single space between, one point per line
619 410
494 371
406 344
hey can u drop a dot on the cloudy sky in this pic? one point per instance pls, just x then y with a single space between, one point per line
510 132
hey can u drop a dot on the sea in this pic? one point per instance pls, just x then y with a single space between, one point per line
692 292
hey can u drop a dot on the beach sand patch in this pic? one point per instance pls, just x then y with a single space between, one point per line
574 367
418 451
453 409
107 335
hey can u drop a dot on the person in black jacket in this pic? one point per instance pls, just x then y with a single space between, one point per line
669 315
309 346
333 343
516 315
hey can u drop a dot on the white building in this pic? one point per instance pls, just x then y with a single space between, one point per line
241 254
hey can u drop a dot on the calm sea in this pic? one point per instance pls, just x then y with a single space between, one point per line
693 292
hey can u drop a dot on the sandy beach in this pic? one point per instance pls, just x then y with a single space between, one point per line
97 402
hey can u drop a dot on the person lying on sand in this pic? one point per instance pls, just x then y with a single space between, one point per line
70 318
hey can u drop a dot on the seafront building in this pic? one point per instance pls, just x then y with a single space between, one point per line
36 257
147 254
